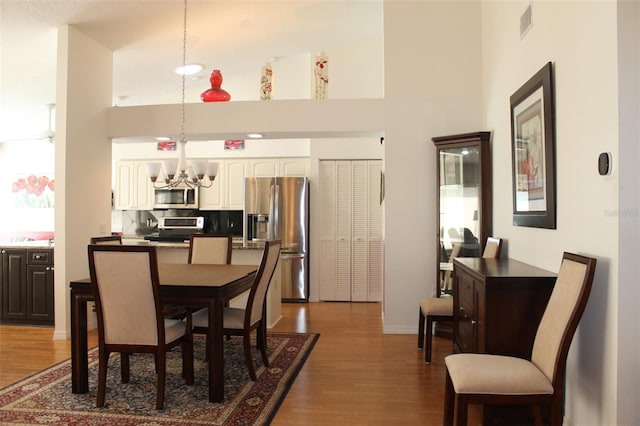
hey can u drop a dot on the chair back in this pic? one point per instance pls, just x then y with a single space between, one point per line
258 293
125 286
447 279
210 248
562 315
492 248
112 240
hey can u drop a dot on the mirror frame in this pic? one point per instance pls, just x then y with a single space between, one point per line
482 140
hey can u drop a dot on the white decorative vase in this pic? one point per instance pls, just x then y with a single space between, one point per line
321 76
266 87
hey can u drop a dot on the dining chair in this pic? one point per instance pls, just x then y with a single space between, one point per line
441 308
488 379
210 248
111 239
126 290
242 322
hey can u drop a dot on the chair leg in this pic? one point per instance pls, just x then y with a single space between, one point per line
247 356
187 359
556 412
261 339
462 406
103 362
124 367
161 367
448 402
537 415
429 332
420 329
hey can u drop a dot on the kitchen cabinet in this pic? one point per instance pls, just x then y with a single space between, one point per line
26 286
272 167
134 190
294 166
498 305
264 167
227 191
351 231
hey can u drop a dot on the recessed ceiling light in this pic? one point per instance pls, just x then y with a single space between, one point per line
163 139
189 69
254 135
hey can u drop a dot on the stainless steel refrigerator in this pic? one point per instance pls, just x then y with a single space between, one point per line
278 208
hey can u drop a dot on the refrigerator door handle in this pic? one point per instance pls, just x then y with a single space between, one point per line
274 213
286 256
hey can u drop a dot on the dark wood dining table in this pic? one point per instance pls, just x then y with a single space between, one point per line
184 284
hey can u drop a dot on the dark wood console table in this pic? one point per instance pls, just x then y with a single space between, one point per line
498 304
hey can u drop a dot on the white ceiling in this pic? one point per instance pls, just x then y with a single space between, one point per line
146 37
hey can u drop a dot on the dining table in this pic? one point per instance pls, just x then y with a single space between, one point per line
182 284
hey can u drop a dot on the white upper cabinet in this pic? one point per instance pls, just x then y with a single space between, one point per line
133 190
265 167
227 191
294 166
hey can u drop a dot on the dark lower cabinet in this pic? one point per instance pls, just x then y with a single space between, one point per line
26 286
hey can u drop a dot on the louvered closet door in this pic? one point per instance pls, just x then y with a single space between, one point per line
366 234
351 231
334 274
359 257
343 230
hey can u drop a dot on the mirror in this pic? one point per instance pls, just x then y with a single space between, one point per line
463 201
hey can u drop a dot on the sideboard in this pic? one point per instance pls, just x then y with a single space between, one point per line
498 304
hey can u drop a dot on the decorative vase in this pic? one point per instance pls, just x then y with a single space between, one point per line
266 75
216 93
321 76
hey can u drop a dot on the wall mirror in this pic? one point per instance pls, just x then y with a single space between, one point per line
463 200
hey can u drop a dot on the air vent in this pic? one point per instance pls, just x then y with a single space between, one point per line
526 21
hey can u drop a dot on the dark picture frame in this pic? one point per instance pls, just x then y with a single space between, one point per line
533 151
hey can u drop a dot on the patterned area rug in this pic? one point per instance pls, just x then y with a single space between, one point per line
46 399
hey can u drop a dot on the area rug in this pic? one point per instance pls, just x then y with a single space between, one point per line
46 399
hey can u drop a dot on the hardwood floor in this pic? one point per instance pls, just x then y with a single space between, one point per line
355 374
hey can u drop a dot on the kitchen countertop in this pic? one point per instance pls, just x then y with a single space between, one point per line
39 244
237 244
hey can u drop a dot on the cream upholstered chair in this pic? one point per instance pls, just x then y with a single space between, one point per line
111 239
441 308
496 379
134 323
241 322
210 248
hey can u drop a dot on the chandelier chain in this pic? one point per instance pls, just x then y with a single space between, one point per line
177 173
184 63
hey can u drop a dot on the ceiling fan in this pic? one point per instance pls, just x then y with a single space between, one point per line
48 135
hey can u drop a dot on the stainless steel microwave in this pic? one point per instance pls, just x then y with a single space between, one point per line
181 197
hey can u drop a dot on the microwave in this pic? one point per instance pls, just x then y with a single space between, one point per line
180 197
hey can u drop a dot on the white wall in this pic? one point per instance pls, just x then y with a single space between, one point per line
432 88
82 160
628 340
580 39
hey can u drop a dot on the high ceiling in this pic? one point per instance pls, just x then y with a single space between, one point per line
146 37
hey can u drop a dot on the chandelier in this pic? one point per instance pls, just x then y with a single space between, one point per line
176 170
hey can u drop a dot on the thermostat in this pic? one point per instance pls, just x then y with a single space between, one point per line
604 164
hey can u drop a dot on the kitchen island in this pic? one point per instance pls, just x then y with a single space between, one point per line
244 253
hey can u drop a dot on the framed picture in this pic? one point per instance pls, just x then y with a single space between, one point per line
234 144
166 146
533 151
